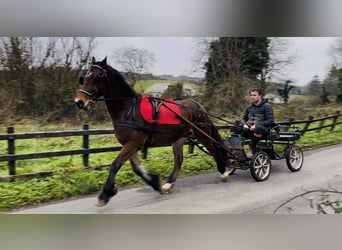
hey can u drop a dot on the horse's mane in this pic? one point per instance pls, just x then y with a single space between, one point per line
118 81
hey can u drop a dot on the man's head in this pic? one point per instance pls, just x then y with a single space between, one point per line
256 96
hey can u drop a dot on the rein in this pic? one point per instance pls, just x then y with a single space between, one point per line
94 99
190 123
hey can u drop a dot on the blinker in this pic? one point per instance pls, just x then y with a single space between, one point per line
81 80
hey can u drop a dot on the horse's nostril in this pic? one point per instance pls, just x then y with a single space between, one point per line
79 104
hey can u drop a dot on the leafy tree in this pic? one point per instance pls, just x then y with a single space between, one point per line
336 71
339 86
38 75
285 92
174 91
324 96
233 62
314 87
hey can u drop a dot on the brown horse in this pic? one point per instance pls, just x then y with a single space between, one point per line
136 133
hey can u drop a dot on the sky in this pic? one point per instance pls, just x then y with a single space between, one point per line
175 55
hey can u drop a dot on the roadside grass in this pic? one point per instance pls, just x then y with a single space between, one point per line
71 179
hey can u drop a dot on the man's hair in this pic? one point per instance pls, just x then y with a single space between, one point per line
259 91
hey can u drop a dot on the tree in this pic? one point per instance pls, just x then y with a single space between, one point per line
285 92
233 64
336 72
174 91
313 88
39 75
133 62
281 59
324 96
17 61
339 86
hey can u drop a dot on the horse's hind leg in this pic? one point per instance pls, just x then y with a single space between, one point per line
177 149
216 151
151 179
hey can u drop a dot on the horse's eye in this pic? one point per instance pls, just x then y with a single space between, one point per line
81 80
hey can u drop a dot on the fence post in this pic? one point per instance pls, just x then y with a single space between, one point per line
190 147
85 146
322 122
334 121
307 124
11 151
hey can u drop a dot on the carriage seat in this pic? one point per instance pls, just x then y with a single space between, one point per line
277 135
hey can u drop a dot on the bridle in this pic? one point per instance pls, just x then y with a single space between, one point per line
98 77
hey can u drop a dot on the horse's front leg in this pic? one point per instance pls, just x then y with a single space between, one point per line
109 189
177 149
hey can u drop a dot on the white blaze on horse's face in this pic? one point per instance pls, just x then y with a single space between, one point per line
87 94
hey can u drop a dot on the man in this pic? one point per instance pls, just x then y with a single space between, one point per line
256 121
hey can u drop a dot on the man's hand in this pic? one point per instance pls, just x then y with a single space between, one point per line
245 126
251 128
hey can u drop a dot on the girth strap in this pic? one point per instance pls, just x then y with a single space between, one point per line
132 125
149 129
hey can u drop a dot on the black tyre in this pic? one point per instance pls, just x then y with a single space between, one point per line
260 166
294 158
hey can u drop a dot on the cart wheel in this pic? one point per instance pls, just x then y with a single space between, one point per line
260 166
294 158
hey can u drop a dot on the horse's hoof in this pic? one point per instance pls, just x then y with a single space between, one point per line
167 188
100 203
224 177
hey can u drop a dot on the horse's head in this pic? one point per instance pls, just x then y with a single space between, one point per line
92 84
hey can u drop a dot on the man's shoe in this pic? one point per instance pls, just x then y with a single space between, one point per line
249 153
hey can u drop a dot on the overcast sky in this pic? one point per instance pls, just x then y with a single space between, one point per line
174 55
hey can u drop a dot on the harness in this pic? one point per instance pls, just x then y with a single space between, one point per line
156 104
150 129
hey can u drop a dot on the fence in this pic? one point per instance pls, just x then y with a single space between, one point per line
11 157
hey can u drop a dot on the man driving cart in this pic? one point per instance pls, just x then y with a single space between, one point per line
256 121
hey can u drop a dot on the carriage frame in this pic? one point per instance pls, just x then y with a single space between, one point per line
280 144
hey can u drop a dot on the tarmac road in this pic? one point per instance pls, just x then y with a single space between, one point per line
206 194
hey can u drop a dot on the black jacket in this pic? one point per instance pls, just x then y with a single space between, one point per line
259 115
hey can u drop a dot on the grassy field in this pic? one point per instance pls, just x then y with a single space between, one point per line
143 85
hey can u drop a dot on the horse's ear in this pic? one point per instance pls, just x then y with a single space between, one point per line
104 62
93 60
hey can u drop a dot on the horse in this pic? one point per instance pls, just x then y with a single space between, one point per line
135 133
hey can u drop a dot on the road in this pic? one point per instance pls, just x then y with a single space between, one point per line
206 194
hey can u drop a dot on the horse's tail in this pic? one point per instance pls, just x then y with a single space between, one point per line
221 153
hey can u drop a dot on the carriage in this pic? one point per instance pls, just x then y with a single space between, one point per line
142 121
279 144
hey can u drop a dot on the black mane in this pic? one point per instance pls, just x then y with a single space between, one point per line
118 84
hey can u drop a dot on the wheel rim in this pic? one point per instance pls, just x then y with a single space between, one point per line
262 166
295 158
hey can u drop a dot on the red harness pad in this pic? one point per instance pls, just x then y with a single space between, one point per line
165 115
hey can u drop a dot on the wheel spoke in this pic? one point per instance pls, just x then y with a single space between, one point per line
261 166
295 158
